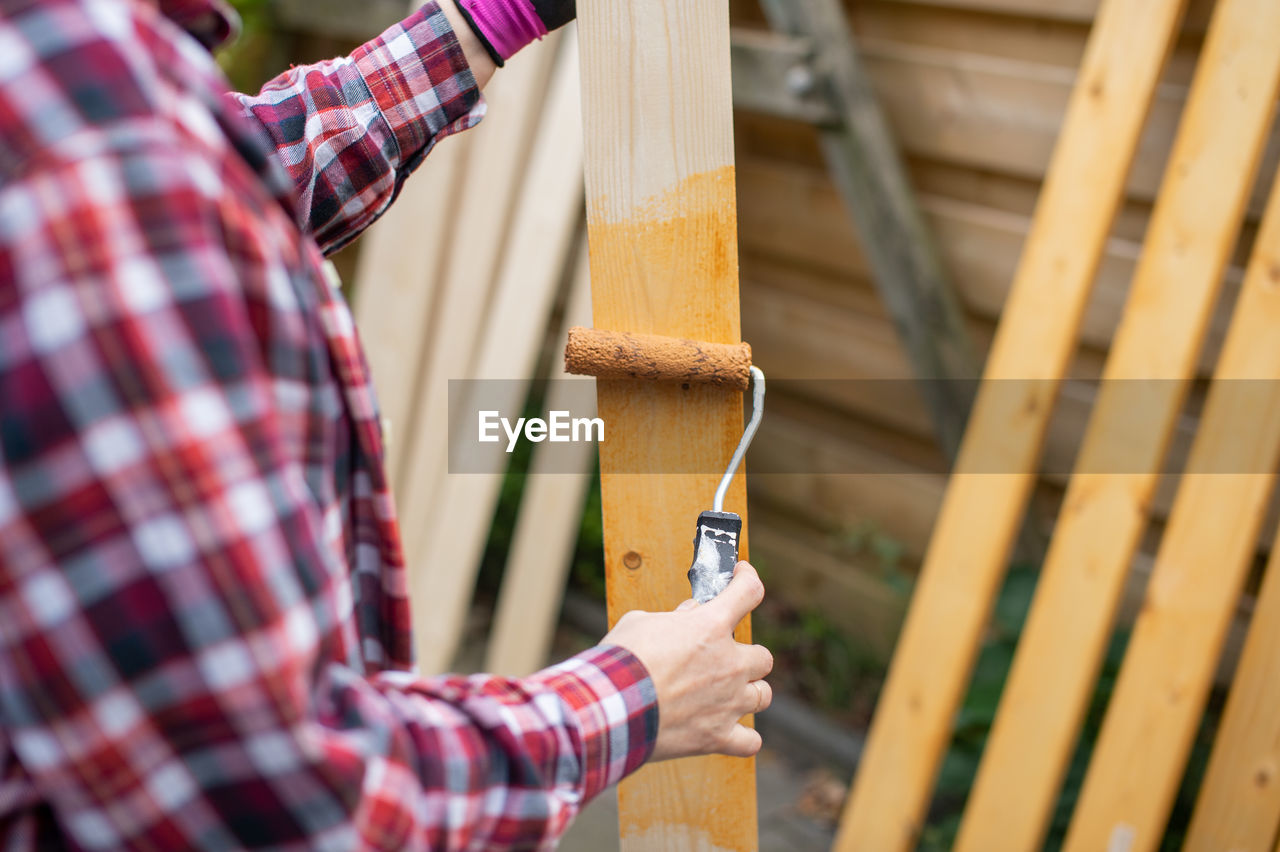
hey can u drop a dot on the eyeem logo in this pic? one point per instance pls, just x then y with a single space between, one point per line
561 427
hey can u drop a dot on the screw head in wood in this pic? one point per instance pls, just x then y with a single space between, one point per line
632 560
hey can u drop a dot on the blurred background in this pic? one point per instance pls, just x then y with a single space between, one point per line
853 457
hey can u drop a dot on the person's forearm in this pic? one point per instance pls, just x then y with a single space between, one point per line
383 109
482 66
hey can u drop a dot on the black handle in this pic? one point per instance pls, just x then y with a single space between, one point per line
715 553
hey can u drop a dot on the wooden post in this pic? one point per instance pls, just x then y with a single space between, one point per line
657 110
982 510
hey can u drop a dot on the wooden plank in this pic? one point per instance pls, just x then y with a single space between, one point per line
793 214
1207 548
664 259
982 512
492 179
395 287
543 225
867 168
550 517
1239 803
1083 11
1004 115
1193 229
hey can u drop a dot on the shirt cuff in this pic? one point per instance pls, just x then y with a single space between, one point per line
421 82
612 696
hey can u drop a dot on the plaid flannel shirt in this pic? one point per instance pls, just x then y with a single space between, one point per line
204 633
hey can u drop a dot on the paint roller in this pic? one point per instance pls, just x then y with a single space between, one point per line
621 355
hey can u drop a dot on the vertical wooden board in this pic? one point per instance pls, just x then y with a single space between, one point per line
396 282
539 244
1239 803
1204 558
662 220
1193 230
982 511
491 177
548 524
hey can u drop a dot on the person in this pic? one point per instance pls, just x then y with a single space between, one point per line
204 632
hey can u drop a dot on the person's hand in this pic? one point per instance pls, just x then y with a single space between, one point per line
705 680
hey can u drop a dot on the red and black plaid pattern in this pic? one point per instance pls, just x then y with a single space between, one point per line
204 632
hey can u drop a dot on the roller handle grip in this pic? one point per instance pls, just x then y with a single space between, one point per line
715 553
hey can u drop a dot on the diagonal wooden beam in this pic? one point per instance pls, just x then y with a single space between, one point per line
662 222
866 167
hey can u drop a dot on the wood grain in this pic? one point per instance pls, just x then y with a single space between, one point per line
663 230
981 512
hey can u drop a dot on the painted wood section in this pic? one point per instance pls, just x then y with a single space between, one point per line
662 220
1239 803
981 512
1206 552
492 178
1104 515
550 517
538 246
396 285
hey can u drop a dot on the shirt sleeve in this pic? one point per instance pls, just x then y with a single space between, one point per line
169 592
351 130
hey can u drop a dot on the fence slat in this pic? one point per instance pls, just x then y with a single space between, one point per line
491 178
547 213
547 528
397 280
982 511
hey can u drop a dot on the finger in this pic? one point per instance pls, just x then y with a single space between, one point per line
755 698
766 695
743 594
742 742
757 661
687 605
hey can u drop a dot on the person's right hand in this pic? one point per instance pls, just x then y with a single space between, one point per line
705 680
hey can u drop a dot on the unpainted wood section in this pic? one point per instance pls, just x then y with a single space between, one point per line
1193 228
663 230
492 178
1201 567
538 246
981 512
549 520
395 286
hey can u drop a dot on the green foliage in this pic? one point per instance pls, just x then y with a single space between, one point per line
244 60
976 715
